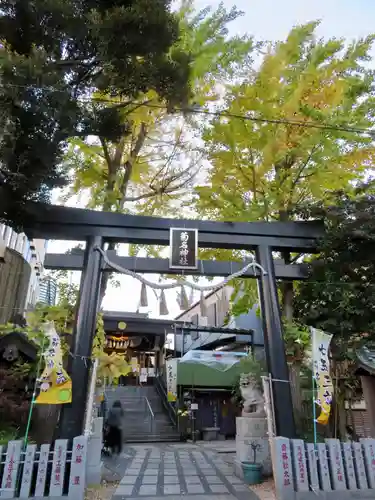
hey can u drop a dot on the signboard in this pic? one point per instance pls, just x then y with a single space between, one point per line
171 366
183 248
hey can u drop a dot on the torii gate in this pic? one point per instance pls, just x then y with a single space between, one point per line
97 228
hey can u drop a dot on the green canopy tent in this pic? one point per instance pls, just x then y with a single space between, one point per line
209 369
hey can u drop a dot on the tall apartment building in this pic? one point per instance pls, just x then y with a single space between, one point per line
47 291
21 268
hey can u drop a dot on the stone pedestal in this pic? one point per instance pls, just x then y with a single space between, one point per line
94 453
252 430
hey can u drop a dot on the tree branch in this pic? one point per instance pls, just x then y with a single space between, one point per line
105 150
130 162
300 171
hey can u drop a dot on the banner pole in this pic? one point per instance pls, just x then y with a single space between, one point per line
314 408
313 384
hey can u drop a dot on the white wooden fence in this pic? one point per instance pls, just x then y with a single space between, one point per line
327 470
46 472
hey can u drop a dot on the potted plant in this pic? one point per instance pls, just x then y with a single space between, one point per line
252 471
183 421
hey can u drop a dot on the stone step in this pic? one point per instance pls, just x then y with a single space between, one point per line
158 428
137 415
152 438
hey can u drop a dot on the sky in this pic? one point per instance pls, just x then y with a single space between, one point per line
265 20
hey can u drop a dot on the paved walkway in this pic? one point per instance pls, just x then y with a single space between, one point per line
170 472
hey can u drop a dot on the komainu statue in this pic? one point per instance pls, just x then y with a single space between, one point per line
253 400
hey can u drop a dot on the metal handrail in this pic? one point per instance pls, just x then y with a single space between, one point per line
151 413
164 398
149 407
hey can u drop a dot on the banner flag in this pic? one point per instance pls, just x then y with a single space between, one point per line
56 385
320 347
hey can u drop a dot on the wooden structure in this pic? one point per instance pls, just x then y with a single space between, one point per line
15 346
15 275
143 346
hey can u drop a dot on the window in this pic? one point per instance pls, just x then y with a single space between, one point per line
194 335
194 319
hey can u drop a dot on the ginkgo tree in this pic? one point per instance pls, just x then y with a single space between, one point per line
158 155
285 137
149 169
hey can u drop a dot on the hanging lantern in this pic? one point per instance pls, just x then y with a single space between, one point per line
202 305
143 301
224 300
191 297
184 302
163 309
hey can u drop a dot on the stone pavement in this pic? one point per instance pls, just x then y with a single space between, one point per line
170 472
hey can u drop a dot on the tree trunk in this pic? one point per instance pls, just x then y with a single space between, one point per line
114 163
296 365
105 278
351 414
341 418
295 385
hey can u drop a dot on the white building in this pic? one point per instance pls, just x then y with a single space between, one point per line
217 306
27 258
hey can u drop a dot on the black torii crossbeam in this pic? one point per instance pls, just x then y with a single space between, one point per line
98 228
145 265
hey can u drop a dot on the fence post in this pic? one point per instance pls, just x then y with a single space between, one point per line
94 454
368 446
349 465
28 469
282 469
42 470
10 473
77 480
336 464
359 465
325 478
299 463
312 466
58 468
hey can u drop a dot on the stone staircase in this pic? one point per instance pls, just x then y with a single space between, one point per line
145 420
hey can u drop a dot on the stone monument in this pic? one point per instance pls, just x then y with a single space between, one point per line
251 427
